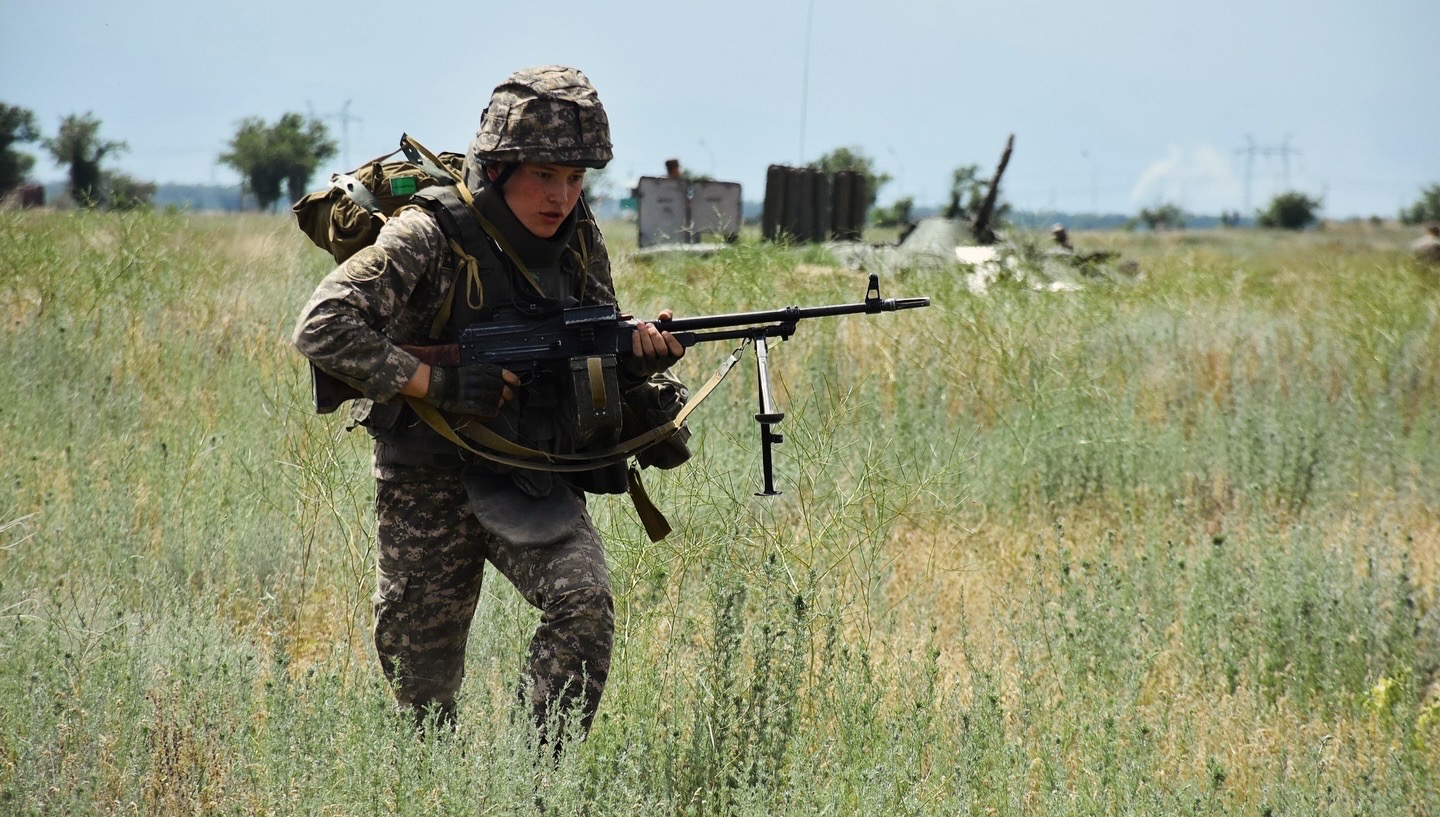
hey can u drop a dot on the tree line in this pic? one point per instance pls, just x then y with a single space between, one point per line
281 157
268 156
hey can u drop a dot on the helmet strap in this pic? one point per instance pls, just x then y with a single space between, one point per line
505 171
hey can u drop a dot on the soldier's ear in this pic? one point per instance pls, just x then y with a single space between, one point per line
500 172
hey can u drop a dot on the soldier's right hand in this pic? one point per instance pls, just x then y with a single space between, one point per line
479 389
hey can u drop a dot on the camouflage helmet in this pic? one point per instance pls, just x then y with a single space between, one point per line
546 115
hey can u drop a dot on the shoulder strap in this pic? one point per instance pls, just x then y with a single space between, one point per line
428 160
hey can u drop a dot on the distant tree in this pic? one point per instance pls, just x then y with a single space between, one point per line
1289 211
967 191
597 185
1424 210
1163 217
125 193
850 158
78 145
286 153
897 214
17 126
251 156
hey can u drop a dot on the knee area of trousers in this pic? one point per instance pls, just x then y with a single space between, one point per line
593 603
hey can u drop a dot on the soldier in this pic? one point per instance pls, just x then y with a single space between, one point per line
1426 248
442 511
1062 237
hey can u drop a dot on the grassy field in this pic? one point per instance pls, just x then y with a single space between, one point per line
1162 548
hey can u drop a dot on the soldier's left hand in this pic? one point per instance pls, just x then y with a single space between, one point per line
655 350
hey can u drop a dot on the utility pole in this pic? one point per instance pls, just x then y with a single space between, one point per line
344 118
805 79
1251 150
900 170
1094 184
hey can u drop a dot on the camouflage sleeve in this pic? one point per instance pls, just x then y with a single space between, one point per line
343 328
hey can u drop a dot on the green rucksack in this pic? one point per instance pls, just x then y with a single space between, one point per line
346 216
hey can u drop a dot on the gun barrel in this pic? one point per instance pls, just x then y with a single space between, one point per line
908 303
789 314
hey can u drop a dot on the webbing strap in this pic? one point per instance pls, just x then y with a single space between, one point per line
595 370
417 153
356 192
474 288
657 527
426 159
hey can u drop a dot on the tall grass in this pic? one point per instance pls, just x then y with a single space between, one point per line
1165 547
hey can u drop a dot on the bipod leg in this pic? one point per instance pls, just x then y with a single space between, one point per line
767 417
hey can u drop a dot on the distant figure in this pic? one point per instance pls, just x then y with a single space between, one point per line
25 195
32 195
1426 248
1061 237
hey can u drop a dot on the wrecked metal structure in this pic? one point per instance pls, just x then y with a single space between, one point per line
980 250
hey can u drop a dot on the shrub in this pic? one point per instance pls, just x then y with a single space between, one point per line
1289 211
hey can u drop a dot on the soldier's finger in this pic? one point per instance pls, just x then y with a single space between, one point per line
644 343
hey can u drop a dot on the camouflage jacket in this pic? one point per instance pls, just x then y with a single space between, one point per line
390 292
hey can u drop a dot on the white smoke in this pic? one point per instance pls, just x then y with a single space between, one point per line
1199 179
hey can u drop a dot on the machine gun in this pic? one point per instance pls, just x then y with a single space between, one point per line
590 339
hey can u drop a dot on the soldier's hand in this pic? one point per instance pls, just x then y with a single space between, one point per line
652 350
478 388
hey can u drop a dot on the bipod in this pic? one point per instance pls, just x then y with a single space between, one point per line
768 416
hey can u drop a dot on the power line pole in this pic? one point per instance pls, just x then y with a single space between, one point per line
805 78
1094 184
344 118
1251 150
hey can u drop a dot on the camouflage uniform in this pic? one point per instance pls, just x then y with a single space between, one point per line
443 513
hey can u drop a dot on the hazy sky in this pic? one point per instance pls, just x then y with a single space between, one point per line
1114 104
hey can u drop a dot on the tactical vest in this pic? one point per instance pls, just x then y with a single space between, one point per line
544 414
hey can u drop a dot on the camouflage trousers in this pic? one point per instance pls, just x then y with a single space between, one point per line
432 553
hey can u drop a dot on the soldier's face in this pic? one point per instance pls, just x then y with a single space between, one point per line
542 196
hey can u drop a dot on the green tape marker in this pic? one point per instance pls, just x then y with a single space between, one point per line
402 186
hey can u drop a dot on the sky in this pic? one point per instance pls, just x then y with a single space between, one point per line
1115 105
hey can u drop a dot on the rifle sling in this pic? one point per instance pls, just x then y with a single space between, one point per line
657 527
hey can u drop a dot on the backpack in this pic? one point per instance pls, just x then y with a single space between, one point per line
347 216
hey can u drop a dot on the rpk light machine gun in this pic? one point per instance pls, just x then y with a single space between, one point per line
572 337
